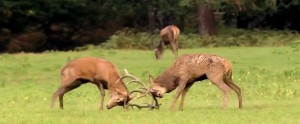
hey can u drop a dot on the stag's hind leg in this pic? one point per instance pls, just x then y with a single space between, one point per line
56 94
234 87
67 89
54 97
64 88
217 79
226 90
177 47
174 47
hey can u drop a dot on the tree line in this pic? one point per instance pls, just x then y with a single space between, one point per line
39 25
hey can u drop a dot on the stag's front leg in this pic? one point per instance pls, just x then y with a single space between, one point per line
185 90
155 102
102 92
179 91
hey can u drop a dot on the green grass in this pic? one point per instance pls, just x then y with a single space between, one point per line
268 76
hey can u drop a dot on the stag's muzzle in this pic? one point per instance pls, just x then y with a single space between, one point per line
110 106
159 95
156 93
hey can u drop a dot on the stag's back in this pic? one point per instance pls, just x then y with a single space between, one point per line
192 66
170 30
91 69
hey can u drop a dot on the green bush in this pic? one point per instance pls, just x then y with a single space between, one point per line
296 46
129 39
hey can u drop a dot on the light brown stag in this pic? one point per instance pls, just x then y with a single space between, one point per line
100 72
190 68
168 35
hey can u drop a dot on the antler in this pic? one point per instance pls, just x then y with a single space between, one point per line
142 90
150 106
153 105
133 77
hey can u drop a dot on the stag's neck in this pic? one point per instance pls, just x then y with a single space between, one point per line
167 80
160 46
117 86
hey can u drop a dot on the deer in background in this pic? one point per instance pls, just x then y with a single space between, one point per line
100 72
190 68
168 35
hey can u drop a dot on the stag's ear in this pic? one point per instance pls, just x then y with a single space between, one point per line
151 79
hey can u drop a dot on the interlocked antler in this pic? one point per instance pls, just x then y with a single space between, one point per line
127 75
143 90
153 105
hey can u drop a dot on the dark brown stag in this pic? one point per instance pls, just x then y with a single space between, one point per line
190 68
100 72
168 35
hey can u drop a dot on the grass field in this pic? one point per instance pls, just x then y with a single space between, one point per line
268 76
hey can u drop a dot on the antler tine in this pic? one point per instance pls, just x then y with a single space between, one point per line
153 105
126 72
122 77
136 91
145 94
131 76
142 96
150 106
134 79
141 106
139 91
139 82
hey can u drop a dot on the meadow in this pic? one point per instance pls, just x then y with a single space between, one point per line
268 76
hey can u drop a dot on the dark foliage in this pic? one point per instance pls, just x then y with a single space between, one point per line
39 25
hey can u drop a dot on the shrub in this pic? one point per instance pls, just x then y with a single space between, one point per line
129 39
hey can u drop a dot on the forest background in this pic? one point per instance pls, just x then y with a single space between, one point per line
45 25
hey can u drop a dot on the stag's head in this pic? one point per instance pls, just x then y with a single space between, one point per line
118 99
156 89
159 50
158 54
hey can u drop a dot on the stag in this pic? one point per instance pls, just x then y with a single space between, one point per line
168 35
190 68
100 72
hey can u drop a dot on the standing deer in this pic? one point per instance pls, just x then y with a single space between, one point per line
190 68
168 35
100 72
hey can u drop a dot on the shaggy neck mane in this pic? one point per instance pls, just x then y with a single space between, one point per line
167 80
117 85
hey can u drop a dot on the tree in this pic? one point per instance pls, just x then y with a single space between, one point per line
206 25
205 14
